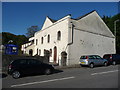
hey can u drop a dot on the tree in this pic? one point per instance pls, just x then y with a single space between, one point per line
110 23
31 31
13 39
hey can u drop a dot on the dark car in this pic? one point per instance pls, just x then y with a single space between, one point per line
20 67
112 58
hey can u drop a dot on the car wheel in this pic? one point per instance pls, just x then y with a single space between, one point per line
47 71
16 74
114 63
91 65
81 65
105 63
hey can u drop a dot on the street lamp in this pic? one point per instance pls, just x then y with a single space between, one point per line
115 26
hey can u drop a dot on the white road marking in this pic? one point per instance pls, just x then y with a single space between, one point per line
42 82
104 72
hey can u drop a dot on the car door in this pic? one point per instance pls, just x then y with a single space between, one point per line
96 61
34 66
22 66
92 59
38 66
100 60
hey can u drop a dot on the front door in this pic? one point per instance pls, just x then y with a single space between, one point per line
30 52
55 54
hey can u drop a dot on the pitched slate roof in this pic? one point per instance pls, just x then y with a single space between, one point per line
84 15
52 19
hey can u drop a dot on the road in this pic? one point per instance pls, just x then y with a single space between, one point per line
98 77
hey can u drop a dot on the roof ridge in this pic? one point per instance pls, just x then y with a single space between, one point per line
52 19
85 15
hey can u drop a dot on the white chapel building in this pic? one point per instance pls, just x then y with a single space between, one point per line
86 35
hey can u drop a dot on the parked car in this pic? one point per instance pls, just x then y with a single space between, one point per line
92 60
112 58
20 67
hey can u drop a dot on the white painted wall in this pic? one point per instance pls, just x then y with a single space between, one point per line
90 44
60 25
47 23
91 36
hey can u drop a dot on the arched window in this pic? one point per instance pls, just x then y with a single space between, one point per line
59 35
48 38
42 40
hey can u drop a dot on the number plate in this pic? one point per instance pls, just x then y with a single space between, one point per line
82 62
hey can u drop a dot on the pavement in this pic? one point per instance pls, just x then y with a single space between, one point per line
84 77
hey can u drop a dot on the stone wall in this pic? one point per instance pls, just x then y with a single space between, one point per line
6 59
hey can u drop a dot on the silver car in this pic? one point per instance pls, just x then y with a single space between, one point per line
92 60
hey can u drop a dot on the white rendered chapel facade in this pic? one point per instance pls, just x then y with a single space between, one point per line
86 35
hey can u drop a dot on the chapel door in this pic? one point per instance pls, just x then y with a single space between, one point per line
55 54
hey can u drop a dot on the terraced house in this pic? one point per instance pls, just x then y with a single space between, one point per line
85 35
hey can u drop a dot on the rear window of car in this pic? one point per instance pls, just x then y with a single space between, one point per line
83 57
107 56
19 61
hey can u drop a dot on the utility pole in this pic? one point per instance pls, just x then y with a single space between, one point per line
115 28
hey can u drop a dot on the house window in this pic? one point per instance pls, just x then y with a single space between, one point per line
48 38
36 41
59 35
42 40
39 52
50 52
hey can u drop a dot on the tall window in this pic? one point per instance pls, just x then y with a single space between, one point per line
59 35
42 40
48 38
51 52
39 52
36 41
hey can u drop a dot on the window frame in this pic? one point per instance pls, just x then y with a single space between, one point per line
42 39
59 35
36 41
48 38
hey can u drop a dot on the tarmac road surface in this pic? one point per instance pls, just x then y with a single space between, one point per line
85 77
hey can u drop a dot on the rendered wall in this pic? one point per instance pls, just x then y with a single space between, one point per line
62 26
91 36
90 44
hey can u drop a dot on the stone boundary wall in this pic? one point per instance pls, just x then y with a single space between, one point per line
6 59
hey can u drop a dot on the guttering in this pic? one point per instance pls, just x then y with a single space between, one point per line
72 27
